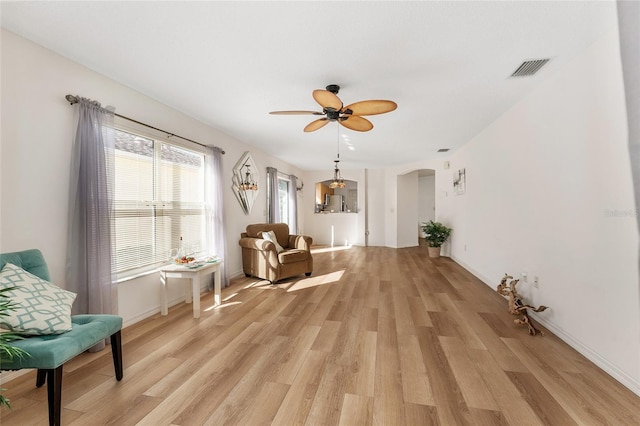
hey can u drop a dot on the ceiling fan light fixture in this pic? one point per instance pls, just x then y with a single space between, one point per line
349 116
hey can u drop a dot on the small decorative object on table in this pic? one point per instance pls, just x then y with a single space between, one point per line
517 306
184 259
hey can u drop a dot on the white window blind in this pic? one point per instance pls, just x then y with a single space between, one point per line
158 202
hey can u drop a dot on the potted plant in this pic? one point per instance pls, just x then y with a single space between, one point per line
436 234
7 351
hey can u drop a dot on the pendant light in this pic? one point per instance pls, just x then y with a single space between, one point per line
337 181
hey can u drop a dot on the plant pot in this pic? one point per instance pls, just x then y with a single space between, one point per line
434 251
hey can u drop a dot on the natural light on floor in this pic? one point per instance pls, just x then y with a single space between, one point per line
315 250
221 306
317 280
229 297
314 281
225 303
259 283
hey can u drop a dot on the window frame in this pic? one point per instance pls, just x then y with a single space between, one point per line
158 139
283 203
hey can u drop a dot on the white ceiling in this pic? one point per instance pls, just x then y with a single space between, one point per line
446 64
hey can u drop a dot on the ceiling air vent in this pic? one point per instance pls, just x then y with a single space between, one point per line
443 150
528 68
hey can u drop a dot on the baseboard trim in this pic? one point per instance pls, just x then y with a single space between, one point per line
151 312
629 382
144 315
239 273
156 309
622 377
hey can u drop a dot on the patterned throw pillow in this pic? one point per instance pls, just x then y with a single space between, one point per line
41 307
271 236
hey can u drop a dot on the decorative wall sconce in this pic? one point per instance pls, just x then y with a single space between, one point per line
245 182
299 188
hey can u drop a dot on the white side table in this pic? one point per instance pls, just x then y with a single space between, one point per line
193 291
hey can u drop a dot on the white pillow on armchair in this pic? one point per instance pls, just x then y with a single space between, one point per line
271 236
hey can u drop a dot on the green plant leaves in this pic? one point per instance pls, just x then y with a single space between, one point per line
436 233
7 351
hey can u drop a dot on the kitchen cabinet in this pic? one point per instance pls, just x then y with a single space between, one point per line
321 191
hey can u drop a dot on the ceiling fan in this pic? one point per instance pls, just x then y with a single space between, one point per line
349 116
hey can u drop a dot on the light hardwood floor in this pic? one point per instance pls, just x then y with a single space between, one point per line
374 336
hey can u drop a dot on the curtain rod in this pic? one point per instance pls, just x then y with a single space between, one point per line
74 100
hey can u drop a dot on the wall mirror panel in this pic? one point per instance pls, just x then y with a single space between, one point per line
336 200
245 182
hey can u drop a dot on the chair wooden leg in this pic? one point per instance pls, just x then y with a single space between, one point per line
41 378
54 395
116 351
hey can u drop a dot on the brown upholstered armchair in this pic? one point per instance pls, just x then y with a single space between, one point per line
261 259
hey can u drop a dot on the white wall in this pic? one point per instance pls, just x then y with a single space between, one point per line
36 140
407 209
376 210
426 201
545 185
325 228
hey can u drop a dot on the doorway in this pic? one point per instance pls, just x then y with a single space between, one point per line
416 203
426 198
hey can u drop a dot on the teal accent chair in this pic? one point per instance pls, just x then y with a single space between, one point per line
49 353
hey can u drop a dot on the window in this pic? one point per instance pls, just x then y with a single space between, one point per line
283 199
159 202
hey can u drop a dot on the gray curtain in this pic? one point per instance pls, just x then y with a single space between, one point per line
629 28
293 204
89 253
273 206
216 235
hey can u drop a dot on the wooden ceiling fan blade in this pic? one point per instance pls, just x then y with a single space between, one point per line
316 124
356 123
327 100
296 113
372 107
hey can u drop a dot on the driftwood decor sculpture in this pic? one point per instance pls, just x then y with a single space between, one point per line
517 306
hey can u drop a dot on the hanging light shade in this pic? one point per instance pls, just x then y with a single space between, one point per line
337 181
